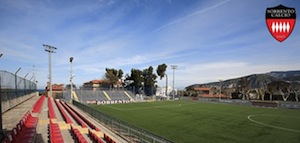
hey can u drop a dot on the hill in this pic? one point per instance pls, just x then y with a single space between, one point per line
255 80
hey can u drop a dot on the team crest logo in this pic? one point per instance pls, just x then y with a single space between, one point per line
280 21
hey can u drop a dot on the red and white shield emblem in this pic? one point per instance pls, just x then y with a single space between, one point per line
280 21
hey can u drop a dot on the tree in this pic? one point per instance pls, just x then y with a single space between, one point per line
244 87
136 76
228 91
120 74
285 93
262 90
191 87
295 89
214 91
279 87
149 80
113 76
161 72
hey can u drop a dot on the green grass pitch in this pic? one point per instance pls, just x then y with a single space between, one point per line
186 121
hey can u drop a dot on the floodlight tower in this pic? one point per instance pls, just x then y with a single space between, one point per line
71 77
50 49
173 91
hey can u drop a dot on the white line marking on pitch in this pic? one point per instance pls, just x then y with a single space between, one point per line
276 127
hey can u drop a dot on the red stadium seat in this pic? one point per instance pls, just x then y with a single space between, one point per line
65 116
108 139
91 125
78 136
51 109
55 135
37 107
77 119
24 131
95 137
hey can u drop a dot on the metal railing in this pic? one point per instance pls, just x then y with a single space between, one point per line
131 132
14 89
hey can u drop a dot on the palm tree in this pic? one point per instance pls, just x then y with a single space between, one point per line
161 72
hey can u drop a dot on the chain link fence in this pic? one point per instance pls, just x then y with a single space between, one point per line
14 89
131 132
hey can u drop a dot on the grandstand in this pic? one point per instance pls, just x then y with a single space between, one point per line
117 95
49 120
94 96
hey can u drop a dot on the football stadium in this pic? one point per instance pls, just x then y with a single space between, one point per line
120 119
139 71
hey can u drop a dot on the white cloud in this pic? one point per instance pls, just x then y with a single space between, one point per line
201 11
16 51
208 41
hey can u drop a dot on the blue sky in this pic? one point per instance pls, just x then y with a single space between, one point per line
207 40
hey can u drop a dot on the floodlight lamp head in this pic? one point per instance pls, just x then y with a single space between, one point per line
71 59
173 66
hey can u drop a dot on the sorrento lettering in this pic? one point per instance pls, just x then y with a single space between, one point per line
281 12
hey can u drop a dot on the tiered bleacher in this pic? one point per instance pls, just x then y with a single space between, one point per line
117 95
95 137
104 96
78 136
90 124
108 139
77 119
37 107
89 95
25 131
55 135
51 109
63 113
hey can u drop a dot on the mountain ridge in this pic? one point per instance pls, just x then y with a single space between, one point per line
255 80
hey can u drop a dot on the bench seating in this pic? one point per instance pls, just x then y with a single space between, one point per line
77 119
84 119
108 139
37 106
78 136
51 112
55 135
25 130
64 114
95 138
